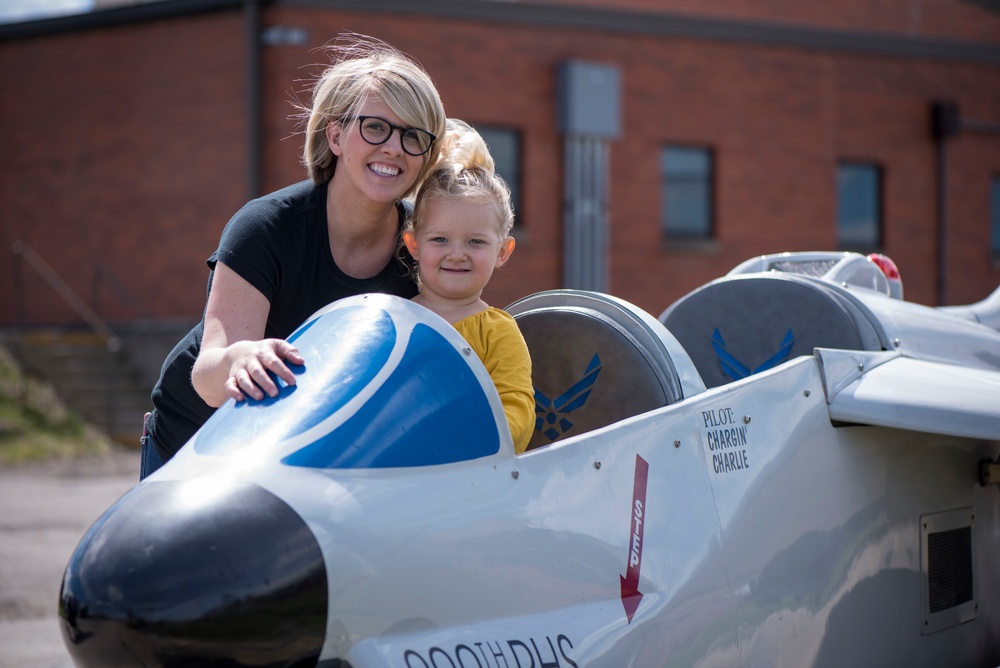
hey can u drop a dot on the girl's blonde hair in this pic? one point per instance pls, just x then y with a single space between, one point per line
364 67
465 170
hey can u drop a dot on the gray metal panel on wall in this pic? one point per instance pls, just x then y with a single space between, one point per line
589 99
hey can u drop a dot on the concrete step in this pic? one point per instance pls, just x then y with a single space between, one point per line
105 388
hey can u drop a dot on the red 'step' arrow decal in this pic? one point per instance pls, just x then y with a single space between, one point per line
631 596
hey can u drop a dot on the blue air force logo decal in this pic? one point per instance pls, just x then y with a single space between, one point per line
551 414
736 370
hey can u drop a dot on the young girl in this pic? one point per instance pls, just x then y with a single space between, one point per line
460 233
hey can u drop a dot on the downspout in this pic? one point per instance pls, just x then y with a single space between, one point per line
251 20
589 113
945 123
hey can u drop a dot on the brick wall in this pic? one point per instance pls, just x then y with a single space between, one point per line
129 146
124 154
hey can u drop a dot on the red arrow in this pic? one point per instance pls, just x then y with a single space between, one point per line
631 596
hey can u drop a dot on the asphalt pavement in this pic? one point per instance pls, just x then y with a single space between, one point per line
45 508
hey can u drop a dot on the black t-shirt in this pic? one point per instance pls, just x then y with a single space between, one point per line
280 244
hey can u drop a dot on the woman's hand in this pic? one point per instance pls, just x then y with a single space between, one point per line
250 362
235 357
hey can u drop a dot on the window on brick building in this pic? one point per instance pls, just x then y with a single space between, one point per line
687 192
859 206
505 147
995 218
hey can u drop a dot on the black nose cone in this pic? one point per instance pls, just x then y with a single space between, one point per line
200 573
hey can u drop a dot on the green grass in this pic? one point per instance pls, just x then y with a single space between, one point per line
35 425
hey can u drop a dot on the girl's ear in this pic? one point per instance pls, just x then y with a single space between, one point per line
333 132
410 239
506 248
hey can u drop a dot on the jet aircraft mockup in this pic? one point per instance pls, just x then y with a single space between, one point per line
790 466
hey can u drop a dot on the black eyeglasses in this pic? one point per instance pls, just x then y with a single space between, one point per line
375 130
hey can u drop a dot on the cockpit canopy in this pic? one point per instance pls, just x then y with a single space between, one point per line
386 384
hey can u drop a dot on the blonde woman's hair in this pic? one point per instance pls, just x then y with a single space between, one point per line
465 170
363 68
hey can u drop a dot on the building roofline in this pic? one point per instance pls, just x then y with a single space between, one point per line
114 16
552 16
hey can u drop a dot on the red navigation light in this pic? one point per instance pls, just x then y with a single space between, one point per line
891 271
886 264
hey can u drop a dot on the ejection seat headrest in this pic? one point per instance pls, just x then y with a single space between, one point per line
740 325
595 360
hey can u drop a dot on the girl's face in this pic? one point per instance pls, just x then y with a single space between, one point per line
457 245
382 173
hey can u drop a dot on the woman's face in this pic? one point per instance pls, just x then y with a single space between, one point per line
382 173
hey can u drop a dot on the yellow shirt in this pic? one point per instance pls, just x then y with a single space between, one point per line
494 336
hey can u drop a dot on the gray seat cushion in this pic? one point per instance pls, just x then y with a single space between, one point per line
593 363
738 326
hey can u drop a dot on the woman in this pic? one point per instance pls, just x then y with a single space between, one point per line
370 139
